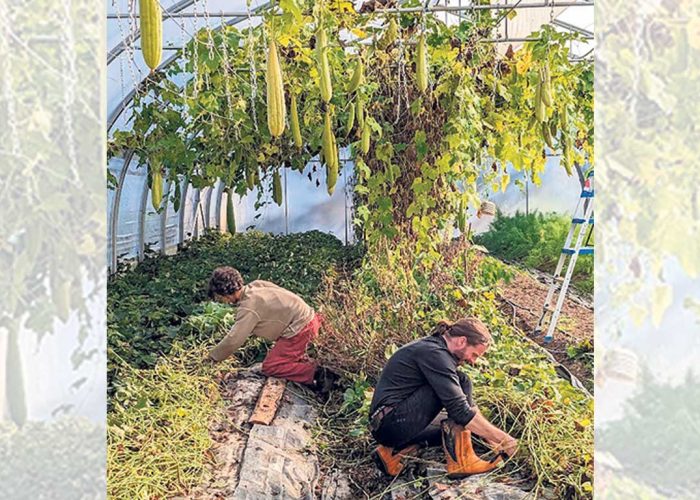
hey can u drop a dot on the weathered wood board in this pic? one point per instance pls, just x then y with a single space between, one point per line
270 396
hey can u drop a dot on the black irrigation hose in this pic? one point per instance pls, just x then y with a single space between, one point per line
561 370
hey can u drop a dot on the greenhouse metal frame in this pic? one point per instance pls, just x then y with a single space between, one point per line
200 204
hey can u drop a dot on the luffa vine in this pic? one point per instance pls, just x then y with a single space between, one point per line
464 112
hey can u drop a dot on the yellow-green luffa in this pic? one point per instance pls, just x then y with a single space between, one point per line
547 135
251 177
360 113
294 119
276 107
277 188
364 141
230 217
156 185
540 107
324 69
330 153
351 119
565 140
358 76
151 32
422 64
547 97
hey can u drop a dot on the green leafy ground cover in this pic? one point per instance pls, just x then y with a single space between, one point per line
535 240
163 397
64 458
645 431
147 305
158 416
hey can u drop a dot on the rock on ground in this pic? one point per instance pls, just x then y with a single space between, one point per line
475 488
278 461
336 487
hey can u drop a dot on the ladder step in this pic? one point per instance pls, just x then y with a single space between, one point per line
582 251
587 194
577 220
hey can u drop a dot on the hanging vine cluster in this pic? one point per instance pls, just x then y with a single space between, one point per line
427 111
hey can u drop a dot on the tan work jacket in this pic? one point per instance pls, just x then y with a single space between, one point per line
265 310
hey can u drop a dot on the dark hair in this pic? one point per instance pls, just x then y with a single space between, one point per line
471 328
224 281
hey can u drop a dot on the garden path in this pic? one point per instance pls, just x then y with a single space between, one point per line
279 461
572 346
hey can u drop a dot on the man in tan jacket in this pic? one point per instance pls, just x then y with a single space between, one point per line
273 313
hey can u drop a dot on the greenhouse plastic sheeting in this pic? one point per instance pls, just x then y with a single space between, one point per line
557 192
306 206
129 206
128 69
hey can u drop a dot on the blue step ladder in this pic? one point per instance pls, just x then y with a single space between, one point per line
580 223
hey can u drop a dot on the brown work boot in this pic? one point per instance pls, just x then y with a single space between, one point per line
324 382
390 461
461 459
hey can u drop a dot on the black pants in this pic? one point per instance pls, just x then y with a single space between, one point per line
414 420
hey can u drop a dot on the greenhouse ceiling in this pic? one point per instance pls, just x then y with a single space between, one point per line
133 226
183 18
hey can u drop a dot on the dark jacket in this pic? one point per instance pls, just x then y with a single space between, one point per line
425 361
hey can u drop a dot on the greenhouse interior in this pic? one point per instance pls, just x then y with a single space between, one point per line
133 223
396 167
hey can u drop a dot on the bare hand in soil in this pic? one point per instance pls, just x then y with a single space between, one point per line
509 446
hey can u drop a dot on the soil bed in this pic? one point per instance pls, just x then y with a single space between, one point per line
572 346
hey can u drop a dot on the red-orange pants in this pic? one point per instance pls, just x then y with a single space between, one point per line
287 359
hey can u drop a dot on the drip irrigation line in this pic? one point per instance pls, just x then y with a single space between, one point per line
561 370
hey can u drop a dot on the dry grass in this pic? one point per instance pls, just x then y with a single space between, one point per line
389 302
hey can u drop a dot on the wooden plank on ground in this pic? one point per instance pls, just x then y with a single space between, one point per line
270 396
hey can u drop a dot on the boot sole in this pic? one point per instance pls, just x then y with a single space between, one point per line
462 475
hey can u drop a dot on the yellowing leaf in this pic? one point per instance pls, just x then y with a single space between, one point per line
524 61
344 6
661 300
505 180
283 40
445 52
638 315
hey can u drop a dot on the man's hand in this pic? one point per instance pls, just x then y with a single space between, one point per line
509 446
497 439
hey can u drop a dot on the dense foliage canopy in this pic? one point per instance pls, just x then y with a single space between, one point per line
426 109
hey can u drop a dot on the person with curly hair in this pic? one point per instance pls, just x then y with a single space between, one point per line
269 311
